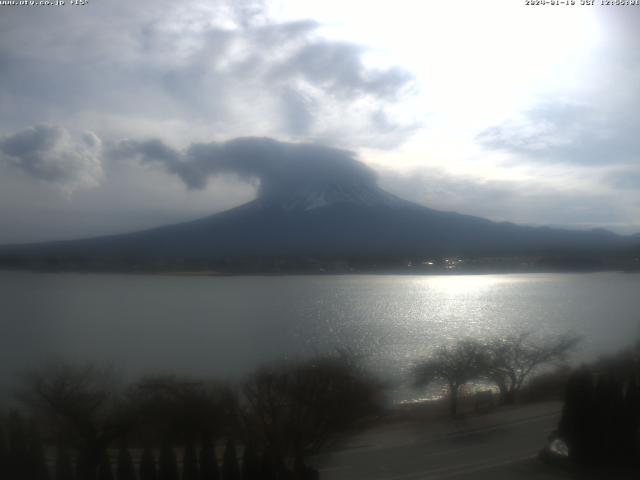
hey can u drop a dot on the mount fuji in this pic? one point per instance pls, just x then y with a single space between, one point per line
328 213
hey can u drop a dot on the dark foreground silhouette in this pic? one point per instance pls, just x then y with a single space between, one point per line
600 421
78 423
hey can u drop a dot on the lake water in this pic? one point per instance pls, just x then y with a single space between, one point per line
226 326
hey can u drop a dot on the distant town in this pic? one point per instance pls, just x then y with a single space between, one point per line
322 264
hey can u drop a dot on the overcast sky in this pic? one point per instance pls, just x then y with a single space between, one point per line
494 108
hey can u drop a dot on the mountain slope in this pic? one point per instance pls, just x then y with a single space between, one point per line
328 220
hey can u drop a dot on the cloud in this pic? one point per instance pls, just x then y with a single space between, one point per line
624 178
577 138
591 120
523 201
337 67
219 66
281 168
296 111
50 154
562 133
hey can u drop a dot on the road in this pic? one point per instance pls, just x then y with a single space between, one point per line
500 445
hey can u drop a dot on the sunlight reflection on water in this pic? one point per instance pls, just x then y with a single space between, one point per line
226 326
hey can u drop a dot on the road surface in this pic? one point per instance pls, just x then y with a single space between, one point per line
500 445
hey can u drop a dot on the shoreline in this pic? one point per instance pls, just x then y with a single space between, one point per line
213 273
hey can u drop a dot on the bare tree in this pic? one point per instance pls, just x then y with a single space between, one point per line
296 409
513 359
454 365
82 405
181 409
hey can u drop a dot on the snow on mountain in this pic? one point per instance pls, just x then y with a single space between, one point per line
312 197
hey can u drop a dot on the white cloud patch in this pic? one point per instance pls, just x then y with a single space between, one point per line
51 154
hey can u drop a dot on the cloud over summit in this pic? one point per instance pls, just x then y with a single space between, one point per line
281 168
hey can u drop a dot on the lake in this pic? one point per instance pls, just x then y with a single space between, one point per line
226 326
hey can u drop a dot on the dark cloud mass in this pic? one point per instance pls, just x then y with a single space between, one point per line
281 168
49 153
